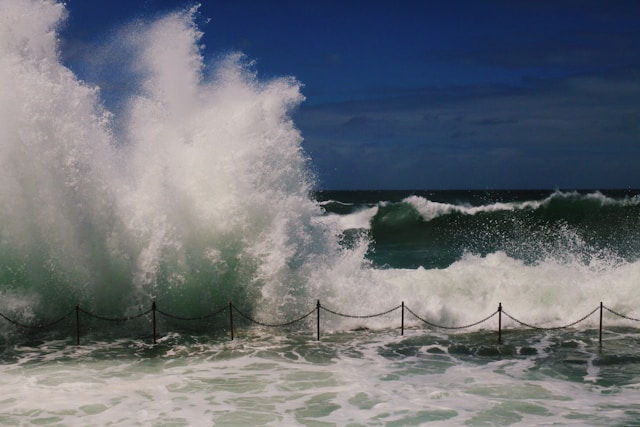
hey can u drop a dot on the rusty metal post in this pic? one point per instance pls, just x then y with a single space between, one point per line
231 318
153 314
318 312
402 325
77 324
600 338
500 323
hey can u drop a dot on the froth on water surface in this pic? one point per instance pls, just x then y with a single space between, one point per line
359 377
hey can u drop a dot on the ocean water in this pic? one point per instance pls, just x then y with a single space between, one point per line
196 193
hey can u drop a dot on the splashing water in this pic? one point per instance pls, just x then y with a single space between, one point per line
198 192
202 196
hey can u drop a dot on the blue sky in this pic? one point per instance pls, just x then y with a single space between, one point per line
430 94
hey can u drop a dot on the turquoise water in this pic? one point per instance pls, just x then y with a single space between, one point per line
348 378
434 229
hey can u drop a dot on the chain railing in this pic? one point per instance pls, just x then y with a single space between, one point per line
40 326
317 309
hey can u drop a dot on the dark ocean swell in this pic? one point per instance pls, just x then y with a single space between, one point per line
436 229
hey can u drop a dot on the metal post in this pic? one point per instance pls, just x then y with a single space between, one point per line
153 310
231 318
600 339
402 326
77 324
500 323
318 311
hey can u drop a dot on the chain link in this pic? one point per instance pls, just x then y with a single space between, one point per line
273 325
115 319
551 328
361 317
257 322
43 326
620 315
206 316
450 327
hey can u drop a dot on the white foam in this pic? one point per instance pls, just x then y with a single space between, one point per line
360 219
278 380
430 210
547 294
